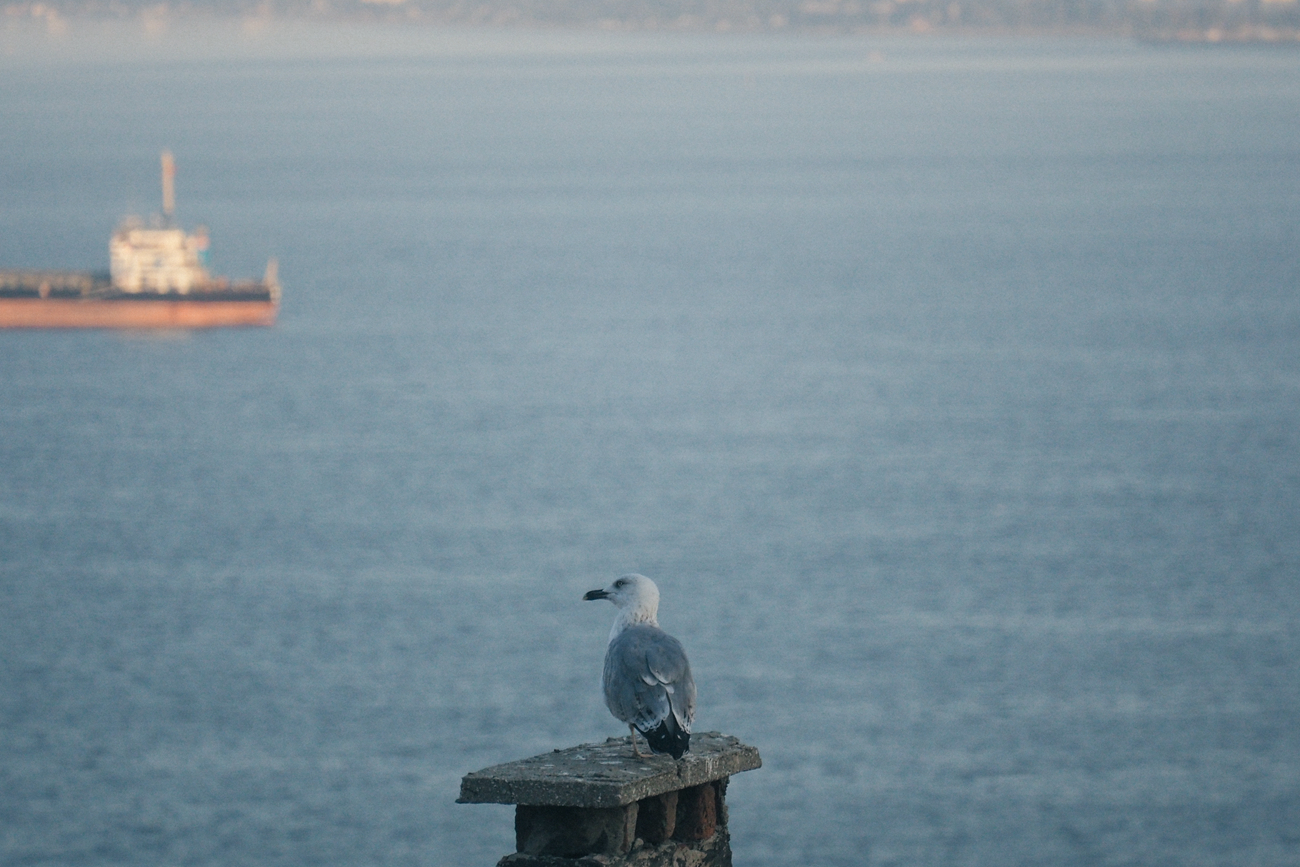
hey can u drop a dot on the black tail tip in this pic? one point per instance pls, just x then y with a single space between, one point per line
666 739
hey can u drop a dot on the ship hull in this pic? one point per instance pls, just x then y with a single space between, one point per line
157 278
134 313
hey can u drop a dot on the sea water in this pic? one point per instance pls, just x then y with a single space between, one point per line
949 389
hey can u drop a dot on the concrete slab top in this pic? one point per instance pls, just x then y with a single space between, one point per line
606 775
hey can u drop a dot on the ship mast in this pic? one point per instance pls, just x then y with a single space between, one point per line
168 186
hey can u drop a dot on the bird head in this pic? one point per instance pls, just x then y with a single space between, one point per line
635 595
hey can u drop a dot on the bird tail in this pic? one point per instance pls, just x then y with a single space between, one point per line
668 737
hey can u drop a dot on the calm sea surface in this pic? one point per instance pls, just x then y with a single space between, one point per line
950 389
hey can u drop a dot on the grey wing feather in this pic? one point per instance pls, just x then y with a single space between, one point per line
668 665
647 676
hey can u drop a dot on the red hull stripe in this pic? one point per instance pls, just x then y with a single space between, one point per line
73 313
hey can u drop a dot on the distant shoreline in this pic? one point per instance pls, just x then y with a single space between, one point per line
1153 21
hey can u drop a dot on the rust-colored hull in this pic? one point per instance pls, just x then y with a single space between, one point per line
133 313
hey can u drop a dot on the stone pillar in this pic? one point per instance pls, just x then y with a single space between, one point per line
597 805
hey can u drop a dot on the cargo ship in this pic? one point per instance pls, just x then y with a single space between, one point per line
157 278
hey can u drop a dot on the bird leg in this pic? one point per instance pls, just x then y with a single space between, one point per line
636 752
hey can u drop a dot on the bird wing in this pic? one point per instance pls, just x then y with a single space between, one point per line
647 677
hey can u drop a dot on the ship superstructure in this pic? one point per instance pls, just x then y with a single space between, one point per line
162 258
157 260
158 278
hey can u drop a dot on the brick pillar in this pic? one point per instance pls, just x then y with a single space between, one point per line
597 805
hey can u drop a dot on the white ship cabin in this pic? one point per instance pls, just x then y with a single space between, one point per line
157 259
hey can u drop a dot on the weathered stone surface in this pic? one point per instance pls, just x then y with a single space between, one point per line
714 852
652 812
607 775
571 832
521 859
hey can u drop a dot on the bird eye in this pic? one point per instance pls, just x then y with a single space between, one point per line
620 583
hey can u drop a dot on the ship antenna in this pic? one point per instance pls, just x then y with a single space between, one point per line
168 186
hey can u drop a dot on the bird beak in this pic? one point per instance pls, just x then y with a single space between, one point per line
594 594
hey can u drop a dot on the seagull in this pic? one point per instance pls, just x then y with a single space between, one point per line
648 682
